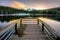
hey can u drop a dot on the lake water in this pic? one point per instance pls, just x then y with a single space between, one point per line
3 24
6 19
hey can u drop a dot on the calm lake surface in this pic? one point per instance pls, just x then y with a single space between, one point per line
2 24
6 19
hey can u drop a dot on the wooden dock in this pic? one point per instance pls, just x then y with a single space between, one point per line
32 29
32 32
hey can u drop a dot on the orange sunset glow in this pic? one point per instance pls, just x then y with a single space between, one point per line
41 7
20 5
33 4
17 5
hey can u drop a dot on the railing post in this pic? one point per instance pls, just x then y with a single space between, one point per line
38 21
20 22
57 38
16 28
42 27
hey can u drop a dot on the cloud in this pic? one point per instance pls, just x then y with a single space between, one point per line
31 3
41 3
6 2
17 5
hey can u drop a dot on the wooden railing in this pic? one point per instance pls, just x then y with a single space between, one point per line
10 29
7 31
50 32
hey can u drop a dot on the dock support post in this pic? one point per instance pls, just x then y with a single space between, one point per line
42 27
38 21
20 22
58 38
16 28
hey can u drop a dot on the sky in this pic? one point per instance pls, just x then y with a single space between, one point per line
36 4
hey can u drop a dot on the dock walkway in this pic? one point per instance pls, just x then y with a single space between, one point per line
33 32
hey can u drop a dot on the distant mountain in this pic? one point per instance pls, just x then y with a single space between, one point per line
10 10
52 11
57 8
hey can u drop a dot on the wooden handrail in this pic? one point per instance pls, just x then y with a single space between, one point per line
8 30
52 32
7 25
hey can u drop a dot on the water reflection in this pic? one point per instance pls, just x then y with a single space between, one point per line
5 20
2 24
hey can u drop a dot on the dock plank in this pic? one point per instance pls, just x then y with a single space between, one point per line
33 32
